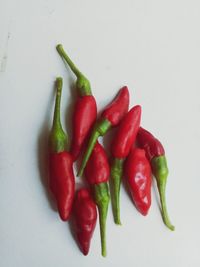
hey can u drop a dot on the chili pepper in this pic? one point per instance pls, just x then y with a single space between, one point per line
85 217
61 176
138 174
85 111
97 173
121 145
110 117
156 154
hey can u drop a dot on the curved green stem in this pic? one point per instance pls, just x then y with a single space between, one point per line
116 176
99 129
82 82
58 138
164 207
160 171
64 55
102 199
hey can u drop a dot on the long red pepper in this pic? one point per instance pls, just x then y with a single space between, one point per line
85 217
120 147
110 117
138 174
61 176
156 154
97 173
85 110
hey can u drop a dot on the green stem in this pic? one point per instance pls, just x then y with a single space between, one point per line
116 176
83 85
56 117
99 129
164 207
160 171
102 199
64 55
58 138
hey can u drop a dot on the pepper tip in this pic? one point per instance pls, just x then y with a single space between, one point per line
58 46
171 227
117 221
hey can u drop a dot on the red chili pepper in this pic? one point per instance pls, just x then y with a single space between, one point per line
156 154
97 169
121 145
97 173
115 111
152 146
138 174
85 111
110 117
85 217
61 176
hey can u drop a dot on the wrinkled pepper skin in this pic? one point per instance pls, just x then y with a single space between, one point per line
120 147
110 117
156 154
97 173
61 176
85 217
62 182
85 111
97 169
152 145
84 117
138 175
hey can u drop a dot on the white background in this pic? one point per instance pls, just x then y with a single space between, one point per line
151 46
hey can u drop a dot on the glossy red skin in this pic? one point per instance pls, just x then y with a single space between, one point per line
62 182
97 169
138 174
150 144
85 217
85 113
116 110
126 134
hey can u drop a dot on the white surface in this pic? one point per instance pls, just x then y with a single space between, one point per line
151 46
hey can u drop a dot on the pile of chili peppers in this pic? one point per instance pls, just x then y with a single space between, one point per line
136 156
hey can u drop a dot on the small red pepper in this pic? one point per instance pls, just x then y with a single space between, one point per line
97 169
85 110
152 146
97 172
110 117
138 175
85 217
156 154
121 145
61 176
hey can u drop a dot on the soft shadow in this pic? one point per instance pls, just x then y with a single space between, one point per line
107 141
127 189
43 150
72 230
70 108
156 193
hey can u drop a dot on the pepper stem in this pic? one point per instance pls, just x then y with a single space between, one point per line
58 138
99 129
102 199
56 118
160 171
116 176
165 215
83 85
